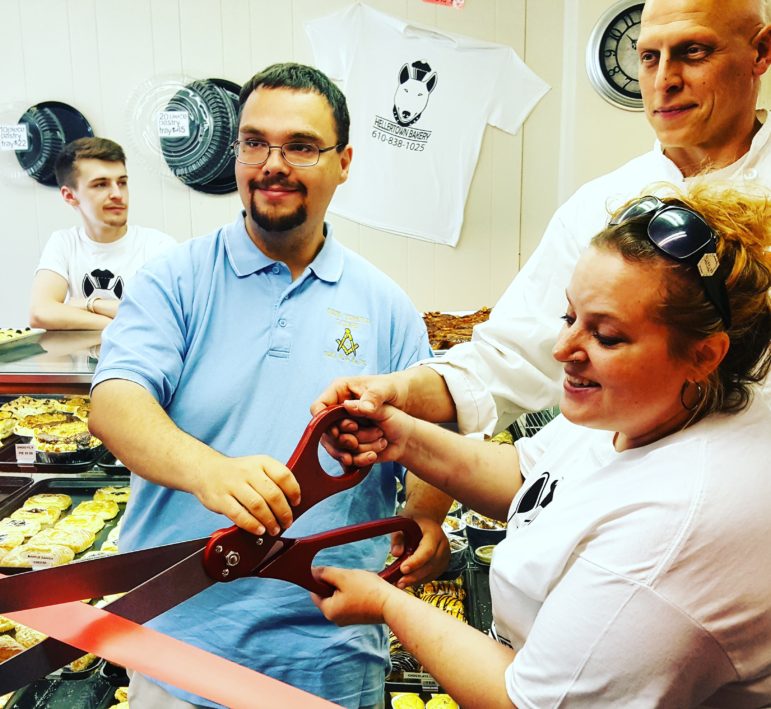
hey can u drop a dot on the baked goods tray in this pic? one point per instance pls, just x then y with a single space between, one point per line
479 615
80 490
12 486
18 336
91 689
84 461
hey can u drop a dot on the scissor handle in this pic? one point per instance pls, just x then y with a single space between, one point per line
315 483
294 562
234 553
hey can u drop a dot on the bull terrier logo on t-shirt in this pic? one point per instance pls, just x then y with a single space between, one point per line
416 81
103 281
537 496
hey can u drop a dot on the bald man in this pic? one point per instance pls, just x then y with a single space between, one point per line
701 62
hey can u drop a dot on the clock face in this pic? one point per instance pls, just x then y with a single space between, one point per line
611 57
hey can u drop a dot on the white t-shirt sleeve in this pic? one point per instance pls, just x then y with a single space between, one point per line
517 90
585 648
331 39
56 256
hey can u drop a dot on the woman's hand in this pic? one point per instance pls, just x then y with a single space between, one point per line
431 557
381 432
359 597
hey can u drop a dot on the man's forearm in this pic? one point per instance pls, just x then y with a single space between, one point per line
108 307
428 397
138 431
62 316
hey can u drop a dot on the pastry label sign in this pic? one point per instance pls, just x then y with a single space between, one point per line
14 137
173 124
41 559
25 453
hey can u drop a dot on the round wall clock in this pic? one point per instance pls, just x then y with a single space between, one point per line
611 55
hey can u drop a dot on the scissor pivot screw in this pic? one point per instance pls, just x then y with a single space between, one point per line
232 558
218 549
260 541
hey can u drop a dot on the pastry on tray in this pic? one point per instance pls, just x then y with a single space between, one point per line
72 403
26 426
7 424
83 521
83 663
49 499
77 539
23 406
28 637
47 516
106 509
6 624
9 647
27 527
116 494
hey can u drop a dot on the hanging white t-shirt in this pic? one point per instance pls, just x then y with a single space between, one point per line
419 100
91 267
640 578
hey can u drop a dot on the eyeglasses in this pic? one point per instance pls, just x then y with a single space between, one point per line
683 235
256 152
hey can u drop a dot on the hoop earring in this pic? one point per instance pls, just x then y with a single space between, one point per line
699 395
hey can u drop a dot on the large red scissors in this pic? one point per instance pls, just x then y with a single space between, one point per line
158 579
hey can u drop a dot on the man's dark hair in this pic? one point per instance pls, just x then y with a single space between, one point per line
66 168
301 77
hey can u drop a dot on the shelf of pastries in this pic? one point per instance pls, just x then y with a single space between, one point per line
445 330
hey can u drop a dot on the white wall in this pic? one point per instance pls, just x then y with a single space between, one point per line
94 55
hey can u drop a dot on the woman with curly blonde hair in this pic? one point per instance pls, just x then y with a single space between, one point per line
636 569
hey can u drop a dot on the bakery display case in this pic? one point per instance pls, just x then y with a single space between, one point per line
45 379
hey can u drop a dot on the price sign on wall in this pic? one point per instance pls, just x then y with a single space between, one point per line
173 124
14 137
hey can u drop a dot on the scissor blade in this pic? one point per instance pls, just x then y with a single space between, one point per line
90 579
167 589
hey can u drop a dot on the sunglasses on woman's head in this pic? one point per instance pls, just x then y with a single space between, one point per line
683 235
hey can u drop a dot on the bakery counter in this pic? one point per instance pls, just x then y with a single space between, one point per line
49 362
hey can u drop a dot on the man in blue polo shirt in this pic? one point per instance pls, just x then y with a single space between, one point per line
205 381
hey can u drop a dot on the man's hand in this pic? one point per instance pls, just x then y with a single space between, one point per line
431 557
359 596
255 492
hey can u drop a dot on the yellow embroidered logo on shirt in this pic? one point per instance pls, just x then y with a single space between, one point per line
346 343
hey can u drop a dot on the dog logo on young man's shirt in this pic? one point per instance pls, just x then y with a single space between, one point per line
416 82
537 496
102 280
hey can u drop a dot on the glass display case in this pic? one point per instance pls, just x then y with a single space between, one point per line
49 363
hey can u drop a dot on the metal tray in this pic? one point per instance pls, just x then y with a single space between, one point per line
79 489
86 462
91 689
109 463
12 485
24 337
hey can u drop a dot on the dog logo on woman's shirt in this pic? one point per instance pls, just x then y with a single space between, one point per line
537 496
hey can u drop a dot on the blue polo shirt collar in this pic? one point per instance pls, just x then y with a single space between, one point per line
245 258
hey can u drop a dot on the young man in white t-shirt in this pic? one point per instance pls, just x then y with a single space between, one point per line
82 273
